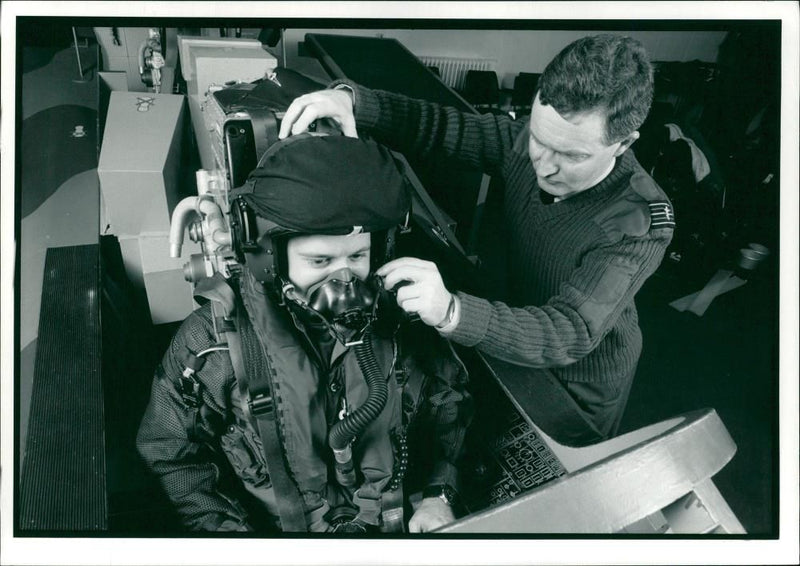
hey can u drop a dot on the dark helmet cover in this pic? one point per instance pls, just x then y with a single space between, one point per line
327 185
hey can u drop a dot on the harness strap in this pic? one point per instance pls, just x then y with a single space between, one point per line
392 511
442 226
545 401
259 408
265 129
190 390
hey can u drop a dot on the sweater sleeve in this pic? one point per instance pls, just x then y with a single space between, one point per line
572 323
426 130
184 466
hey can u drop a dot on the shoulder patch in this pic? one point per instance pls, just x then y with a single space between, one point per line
661 214
641 207
628 216
645 186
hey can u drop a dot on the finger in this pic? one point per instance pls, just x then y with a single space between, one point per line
383 270
411 306
407 293
294 110
404 271
399 275
307 116
348 125
401 262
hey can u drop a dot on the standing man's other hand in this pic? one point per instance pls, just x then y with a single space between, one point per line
421 289
336 104
431 514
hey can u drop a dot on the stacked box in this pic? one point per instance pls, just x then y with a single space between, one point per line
139 172
216 61
148 265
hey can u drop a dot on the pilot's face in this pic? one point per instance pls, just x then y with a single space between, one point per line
312 258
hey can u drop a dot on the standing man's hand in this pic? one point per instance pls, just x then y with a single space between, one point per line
421 289
431 514
336 104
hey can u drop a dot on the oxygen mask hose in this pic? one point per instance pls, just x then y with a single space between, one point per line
343 432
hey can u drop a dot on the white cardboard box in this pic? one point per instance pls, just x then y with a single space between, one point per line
148 265
220 65
187 42
139 166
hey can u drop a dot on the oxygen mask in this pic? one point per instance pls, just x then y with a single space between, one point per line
344 302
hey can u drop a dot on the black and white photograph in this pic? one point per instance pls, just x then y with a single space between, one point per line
400 283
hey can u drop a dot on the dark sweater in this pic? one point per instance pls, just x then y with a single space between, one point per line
575 265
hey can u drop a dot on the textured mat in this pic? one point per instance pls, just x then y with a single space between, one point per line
63 483
57 144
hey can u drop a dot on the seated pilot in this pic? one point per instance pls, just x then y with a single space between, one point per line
299 398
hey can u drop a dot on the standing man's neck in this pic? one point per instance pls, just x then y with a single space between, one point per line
606 173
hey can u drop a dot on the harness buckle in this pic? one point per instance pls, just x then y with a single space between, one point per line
190 390
261 403
225 324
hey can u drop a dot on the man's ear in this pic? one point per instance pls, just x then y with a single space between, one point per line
626 143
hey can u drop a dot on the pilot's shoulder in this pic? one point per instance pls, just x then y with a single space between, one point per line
641 207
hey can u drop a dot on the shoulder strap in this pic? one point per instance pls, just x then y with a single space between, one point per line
424 206
410 383
255 388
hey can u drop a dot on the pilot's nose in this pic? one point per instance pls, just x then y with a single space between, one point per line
344 274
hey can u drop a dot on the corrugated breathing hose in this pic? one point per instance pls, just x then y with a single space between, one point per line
343 432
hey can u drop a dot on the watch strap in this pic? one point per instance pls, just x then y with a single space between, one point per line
445 492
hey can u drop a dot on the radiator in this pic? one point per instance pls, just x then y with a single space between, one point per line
453 70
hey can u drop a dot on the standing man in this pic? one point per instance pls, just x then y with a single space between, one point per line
586 227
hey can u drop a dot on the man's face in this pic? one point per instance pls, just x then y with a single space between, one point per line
570 155
312 258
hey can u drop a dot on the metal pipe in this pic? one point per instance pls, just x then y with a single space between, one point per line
177 227
77 51
215 232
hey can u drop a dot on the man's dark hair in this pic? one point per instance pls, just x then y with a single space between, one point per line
609 73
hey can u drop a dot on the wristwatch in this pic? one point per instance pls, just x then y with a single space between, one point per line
448 316
443 491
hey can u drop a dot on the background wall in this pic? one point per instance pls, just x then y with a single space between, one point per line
524 50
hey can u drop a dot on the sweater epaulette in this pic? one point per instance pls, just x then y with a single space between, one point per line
625 217
643 185
641 207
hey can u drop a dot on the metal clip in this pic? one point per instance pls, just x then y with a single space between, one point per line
273 76
439 233
190 389
261 404
343 411
405 228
